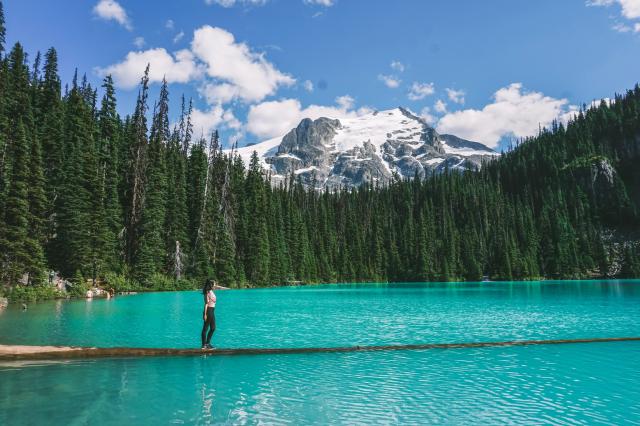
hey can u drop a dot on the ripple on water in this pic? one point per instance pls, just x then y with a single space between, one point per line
565 384
341 315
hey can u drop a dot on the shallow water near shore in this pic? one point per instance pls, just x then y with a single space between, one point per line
570 384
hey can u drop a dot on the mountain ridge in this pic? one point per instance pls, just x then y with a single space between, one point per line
372 148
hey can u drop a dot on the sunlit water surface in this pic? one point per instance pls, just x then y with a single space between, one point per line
565 384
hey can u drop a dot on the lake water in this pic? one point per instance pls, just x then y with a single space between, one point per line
563 384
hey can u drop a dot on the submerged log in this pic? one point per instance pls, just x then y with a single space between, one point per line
62 353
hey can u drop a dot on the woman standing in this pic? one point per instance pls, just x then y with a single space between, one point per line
209 314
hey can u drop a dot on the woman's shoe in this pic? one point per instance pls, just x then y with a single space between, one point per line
209 346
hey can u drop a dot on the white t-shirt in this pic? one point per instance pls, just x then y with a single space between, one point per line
211 299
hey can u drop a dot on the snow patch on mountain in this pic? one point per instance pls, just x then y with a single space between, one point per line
370 148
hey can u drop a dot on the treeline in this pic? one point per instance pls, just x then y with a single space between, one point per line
94 195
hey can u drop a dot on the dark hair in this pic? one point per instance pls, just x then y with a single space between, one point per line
208 285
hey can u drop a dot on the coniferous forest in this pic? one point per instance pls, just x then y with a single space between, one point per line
134 199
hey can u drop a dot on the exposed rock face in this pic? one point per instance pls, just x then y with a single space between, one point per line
602 174
329 153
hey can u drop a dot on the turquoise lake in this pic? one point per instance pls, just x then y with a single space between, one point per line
594 383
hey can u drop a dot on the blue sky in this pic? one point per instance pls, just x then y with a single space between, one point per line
256 67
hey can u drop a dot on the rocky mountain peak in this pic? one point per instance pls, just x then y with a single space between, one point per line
346 152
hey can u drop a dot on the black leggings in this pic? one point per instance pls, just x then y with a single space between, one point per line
209 323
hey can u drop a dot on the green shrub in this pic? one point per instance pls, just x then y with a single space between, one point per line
119 283
79 286
32 293
161 282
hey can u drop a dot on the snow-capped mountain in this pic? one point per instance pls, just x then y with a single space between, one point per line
348 152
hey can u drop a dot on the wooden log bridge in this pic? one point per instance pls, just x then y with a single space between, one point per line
67 353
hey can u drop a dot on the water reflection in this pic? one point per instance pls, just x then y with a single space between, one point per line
340 315
575 384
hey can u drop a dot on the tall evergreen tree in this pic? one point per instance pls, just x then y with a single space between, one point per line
109 167
150 256
136 142
3 30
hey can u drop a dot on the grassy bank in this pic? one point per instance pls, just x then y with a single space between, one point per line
78 287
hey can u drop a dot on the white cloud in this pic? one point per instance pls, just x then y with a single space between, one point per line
397 66
178 37
421 90
139 42
227 70
177 68
390 81
427 116
440 106
630 8
326 3
170 25
513 112
345 102
621 28
231 3
204 122
216 93
308 85
110 10
239 72
455 96
275 118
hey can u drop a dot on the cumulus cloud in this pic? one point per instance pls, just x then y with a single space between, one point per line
621 28
178 37
308 85
397 66
231 3
170 25
629 9
390 81
177 68
455 96
139 42
420 91
239 72
440 106
205 121
513 111
234 71
111 10
326 3
426 115
275 118
345 102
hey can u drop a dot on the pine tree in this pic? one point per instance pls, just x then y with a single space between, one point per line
3 30
150 257
257 247
177 219
198 180
109 167
24 203
13 240
134 196
50 135
72 247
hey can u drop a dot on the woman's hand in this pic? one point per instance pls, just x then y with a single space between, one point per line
204 317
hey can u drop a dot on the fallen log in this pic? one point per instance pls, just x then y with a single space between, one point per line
64 353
